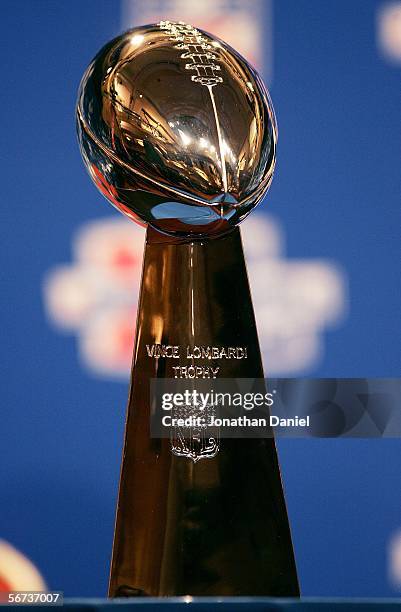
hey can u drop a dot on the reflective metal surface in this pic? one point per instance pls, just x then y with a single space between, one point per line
197 514
176 129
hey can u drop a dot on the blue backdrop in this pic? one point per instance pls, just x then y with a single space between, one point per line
336 191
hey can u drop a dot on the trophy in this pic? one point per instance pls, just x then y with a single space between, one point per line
178 132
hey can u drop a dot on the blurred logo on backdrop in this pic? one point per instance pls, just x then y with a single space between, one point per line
389 30
245 24
394 560
95 296
17 572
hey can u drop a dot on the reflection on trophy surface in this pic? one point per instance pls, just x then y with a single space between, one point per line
178 132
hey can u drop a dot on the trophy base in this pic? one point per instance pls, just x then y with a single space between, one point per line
210 521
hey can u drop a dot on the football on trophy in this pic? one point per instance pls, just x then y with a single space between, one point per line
177 130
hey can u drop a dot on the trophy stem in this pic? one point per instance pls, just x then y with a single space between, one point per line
197 520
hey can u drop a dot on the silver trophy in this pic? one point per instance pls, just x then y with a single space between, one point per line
178 132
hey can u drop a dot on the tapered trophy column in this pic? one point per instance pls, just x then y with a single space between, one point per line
178 132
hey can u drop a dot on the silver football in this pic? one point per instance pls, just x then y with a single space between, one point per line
176 129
